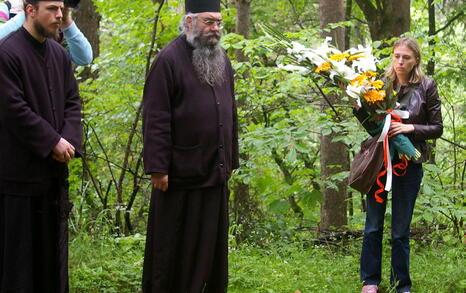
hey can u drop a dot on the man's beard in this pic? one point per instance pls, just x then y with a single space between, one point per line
42 30
208 56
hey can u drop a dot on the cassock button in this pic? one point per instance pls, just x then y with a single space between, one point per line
221 165
221 124
221 146
218 103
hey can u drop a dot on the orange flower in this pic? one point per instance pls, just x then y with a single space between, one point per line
324 67
374 96
370 74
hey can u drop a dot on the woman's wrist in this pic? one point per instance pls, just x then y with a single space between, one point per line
409 128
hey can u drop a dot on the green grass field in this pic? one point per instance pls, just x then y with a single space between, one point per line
115 265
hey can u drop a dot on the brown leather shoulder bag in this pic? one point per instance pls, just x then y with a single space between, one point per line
366 165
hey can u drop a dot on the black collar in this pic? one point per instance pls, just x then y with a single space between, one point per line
38 46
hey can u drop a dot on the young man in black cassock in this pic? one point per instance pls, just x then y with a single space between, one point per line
40 131
190 149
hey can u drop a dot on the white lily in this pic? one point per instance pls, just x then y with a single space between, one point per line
294 68
340 69
366 62
354 91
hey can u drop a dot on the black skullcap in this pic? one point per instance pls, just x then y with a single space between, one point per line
34 1
69 3
198 6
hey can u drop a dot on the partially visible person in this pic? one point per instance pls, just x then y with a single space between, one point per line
4 12
40 132
8 9
418 95
79 47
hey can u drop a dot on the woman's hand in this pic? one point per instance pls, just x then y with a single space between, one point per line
397 128
66 20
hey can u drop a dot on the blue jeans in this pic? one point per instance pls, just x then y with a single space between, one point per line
404 192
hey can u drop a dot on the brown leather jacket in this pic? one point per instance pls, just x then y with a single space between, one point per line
424 113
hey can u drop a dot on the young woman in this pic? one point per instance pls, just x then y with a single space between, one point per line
418 95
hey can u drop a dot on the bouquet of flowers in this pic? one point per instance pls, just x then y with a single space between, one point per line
355 71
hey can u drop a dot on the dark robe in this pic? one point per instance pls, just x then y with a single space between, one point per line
190 133
39 104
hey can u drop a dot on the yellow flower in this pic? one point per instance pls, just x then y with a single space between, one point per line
378 84
359 80
339 57
374 96
354 57
370 74
324 67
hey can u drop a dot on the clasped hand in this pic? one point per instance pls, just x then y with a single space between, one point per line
160 181
63 152
398 127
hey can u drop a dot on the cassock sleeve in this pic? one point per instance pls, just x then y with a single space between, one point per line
158 89
29 128
235 146
72 130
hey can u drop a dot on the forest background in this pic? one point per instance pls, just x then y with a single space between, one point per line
295 225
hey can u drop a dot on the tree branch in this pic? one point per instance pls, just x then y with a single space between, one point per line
104 152
453 143
449 22
337 115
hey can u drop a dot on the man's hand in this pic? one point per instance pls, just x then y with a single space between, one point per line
397 128
159 181
63 152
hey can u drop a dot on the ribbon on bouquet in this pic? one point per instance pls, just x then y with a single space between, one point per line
392 115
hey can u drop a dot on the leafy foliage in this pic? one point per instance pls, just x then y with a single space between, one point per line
281 124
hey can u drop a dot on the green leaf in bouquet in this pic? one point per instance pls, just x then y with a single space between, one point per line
390 98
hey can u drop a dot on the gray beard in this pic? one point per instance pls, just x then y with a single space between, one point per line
208 59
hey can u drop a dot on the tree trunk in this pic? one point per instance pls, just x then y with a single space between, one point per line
431 70
88 21
431 63
333 155
386 18
348 10
243 10
245 208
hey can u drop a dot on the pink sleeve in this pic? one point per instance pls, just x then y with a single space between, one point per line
3 16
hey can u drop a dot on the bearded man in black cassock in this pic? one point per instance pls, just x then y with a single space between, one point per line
40 132
190 149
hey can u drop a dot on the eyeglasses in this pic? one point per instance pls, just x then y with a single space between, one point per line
211 22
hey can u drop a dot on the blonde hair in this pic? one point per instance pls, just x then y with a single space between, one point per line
417 75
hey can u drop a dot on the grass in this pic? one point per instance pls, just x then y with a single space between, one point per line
115 265
319 269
